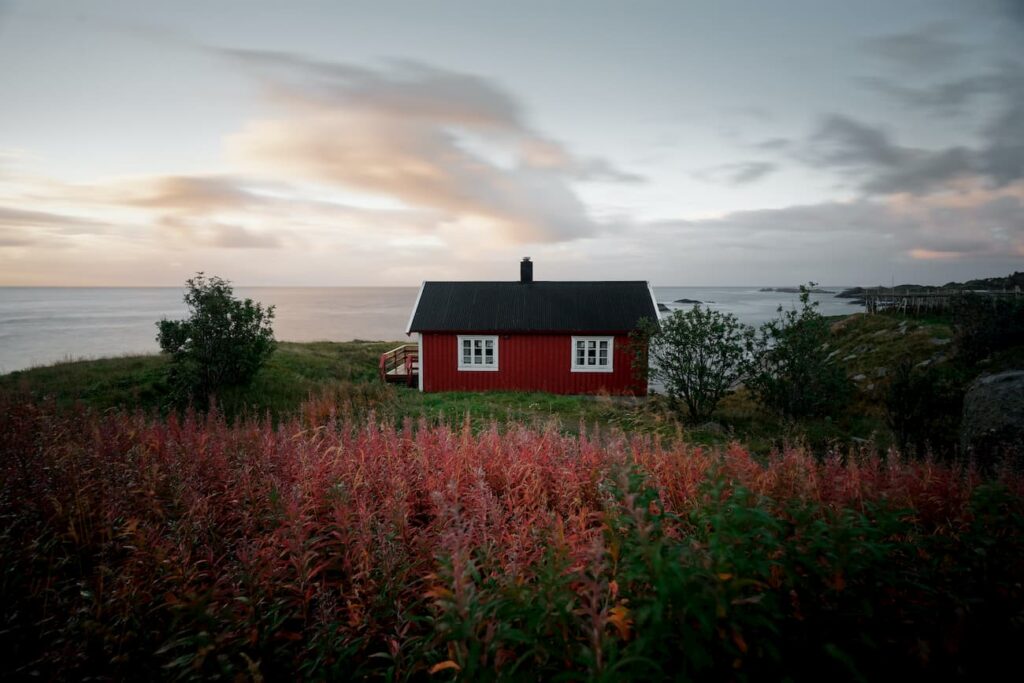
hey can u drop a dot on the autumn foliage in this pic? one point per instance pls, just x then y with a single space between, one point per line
187 547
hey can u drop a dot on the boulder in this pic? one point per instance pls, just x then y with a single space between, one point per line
993 417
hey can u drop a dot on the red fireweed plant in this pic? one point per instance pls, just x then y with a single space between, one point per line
337 546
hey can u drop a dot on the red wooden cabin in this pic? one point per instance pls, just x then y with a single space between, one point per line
559 337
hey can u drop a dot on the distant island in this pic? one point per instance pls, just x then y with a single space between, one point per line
1011 282
795 290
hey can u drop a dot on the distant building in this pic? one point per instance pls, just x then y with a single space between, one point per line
559 337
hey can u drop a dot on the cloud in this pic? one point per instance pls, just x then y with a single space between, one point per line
946 99
188 194
441 140
29 228
880 166
238 237
740 173
777 144
1002 156
12 238
928 49
968 220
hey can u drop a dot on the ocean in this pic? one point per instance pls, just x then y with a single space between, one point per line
44 325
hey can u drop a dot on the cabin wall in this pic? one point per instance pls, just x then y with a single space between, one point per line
527 362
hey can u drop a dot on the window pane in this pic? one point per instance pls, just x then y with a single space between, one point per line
467 359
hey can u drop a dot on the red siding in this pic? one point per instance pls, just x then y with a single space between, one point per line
527 362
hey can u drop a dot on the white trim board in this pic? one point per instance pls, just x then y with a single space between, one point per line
654 300
408 326
419 359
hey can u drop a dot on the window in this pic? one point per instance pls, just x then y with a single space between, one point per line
592 354
478 352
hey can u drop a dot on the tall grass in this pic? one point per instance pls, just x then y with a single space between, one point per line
338 547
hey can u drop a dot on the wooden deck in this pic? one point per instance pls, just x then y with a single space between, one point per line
918 303
401 365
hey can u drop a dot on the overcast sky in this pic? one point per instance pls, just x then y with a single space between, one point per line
384 143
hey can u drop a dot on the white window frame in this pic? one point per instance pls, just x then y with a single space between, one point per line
475 367
593 368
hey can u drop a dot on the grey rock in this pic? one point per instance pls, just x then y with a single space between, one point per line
859 378
938 341
881 372
993 417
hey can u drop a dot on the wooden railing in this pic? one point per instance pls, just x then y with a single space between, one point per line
400 364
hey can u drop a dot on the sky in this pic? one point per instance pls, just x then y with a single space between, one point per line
685 143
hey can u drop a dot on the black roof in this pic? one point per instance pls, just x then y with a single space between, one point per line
532 306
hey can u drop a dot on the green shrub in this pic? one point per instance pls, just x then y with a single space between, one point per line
699 355
791 372
222 343
923 408
985 325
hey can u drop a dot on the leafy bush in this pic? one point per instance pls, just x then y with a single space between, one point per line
223 343
137 548
985 325
923 408
698 355
791 372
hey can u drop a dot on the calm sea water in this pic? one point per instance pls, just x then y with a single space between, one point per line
42 325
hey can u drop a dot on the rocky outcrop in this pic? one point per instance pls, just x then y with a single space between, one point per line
795 290
993 417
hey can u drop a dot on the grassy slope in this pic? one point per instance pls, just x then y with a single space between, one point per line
345 374
337 372
292 374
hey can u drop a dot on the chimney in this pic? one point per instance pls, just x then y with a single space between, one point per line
526 270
